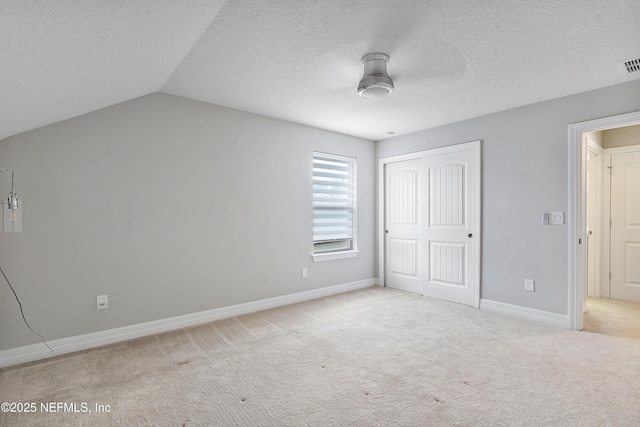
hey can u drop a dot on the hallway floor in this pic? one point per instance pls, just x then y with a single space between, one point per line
612 317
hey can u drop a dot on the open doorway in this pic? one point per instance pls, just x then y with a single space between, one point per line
594 256
612 300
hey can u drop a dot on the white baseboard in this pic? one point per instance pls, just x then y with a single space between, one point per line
38 351
559 320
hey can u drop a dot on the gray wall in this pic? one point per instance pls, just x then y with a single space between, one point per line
170 206
524 172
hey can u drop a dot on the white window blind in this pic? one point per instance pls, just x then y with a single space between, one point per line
334 202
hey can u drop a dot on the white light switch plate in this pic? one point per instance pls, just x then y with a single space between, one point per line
556 218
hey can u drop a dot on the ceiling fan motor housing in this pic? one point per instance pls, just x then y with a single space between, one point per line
375 82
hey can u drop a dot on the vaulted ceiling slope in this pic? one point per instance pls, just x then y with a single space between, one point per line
300 60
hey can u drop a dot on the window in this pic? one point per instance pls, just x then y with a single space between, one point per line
334 207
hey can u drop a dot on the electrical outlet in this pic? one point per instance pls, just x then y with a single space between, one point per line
304 272
529 285
102 302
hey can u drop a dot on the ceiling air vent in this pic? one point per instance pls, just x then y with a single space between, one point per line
632 65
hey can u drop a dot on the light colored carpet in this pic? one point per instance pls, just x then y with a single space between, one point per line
375 357
612 317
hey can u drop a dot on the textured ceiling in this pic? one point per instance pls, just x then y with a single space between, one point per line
300 60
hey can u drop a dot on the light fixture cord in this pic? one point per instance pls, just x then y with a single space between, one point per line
22 311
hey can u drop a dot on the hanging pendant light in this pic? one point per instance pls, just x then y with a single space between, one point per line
11 212
375 82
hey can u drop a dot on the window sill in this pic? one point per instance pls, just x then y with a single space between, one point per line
334 255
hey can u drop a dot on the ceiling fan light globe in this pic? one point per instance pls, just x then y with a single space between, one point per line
375 82
375 89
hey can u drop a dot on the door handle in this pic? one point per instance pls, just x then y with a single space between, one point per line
470 235
386 231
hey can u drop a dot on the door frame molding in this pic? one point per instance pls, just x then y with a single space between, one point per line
577 207
476 146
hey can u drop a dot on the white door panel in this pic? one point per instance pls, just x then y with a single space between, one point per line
403 200
449 248
431 242
447 263
625 226
594 232
447 192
